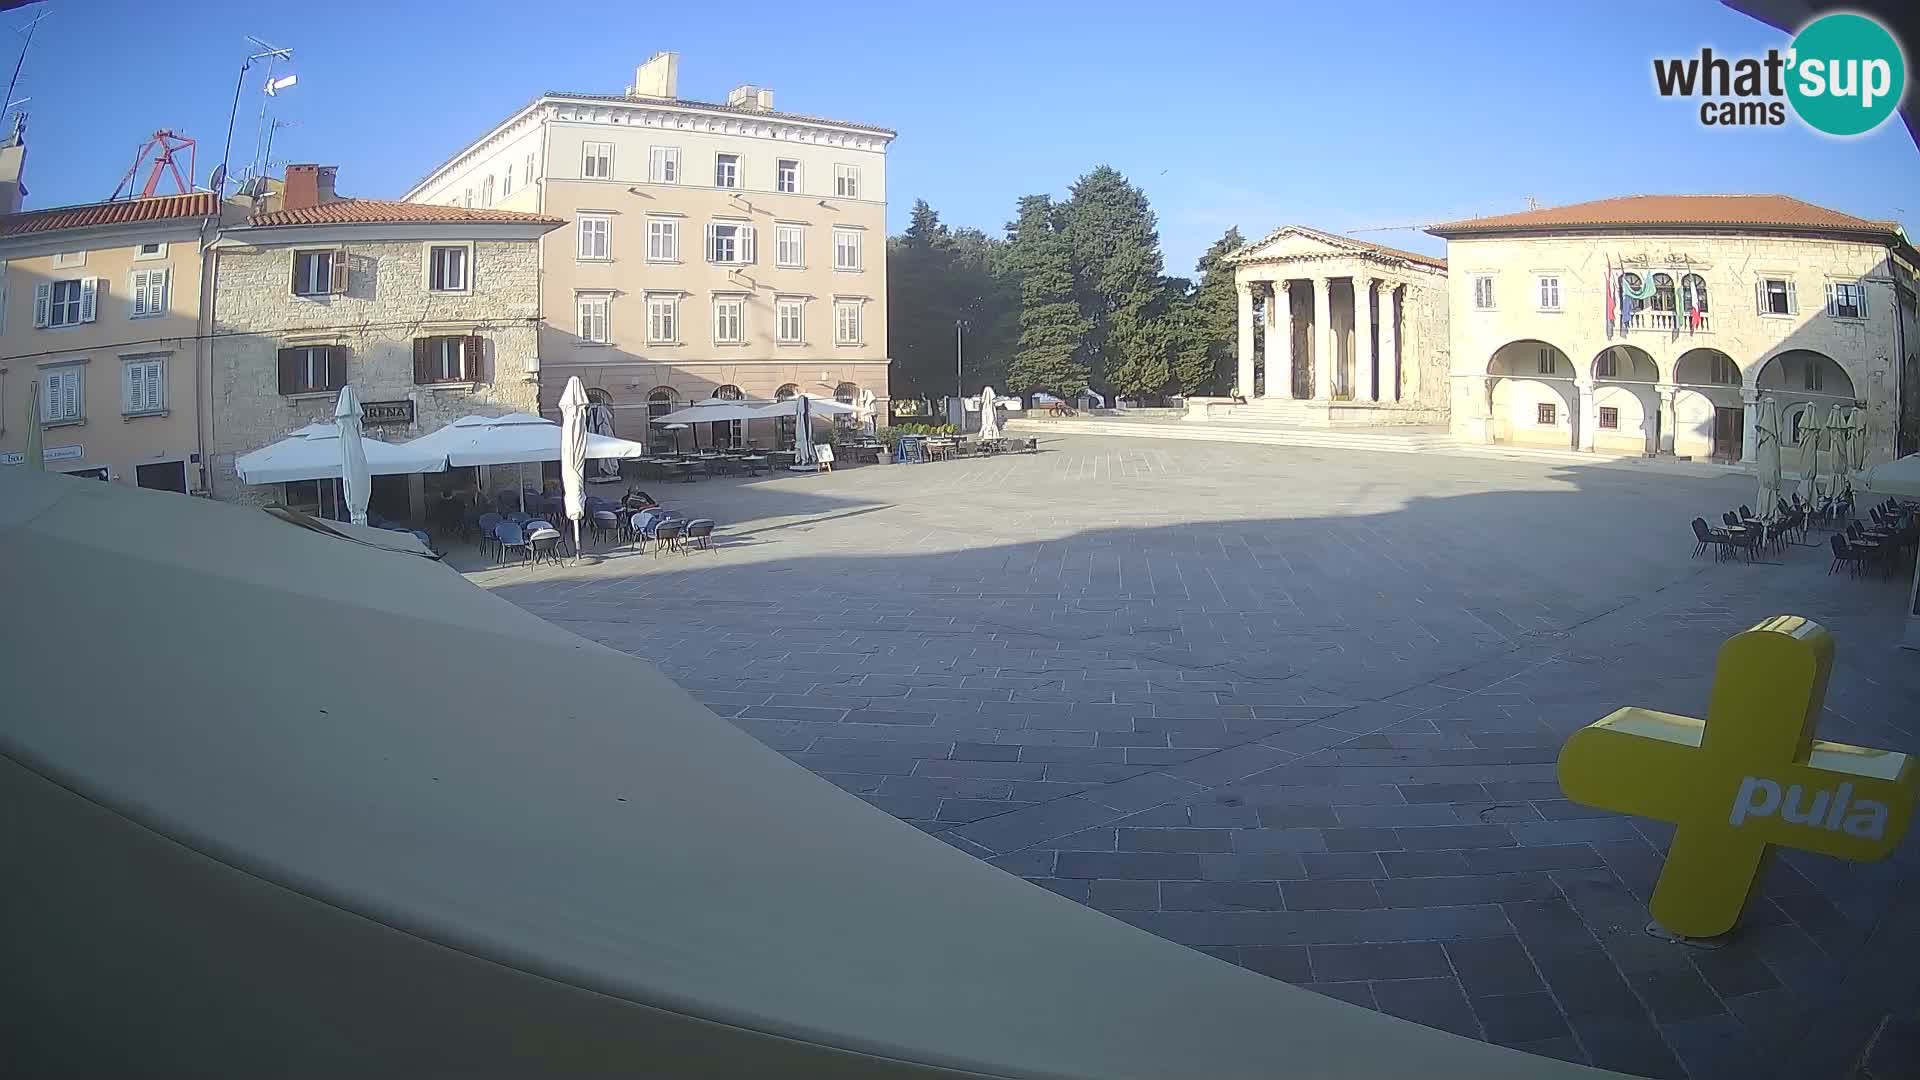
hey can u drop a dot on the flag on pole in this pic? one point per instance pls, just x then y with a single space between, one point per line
1610 303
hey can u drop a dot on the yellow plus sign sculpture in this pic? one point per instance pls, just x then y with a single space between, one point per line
1751 775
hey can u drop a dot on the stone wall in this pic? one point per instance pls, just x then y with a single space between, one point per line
387 305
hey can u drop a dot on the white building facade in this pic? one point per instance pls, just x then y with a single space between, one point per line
711 250
1741 296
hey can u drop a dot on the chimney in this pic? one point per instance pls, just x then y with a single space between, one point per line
749 98
659 77
308 186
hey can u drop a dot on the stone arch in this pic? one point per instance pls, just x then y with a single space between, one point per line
1706 381
845 393
1531 399
1804 373
1626 404
597 396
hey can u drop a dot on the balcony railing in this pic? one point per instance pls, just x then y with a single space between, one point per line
1662 322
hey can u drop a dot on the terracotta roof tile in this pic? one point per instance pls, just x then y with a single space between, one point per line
197 204
387 212
1684 211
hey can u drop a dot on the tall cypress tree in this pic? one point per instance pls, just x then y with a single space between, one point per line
1052 331
1204 357
1117 273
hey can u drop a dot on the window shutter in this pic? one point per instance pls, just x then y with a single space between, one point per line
337 367
1760 296
746 244
89 297
289 371
473 358
155 372
42 302
1863 299
136 388
1830 301
337 279
713 243
422 357
165 288
1793 301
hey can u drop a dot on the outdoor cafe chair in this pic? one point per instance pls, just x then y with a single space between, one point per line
700 532
603 521
511 539
1846 554
666 535
545 544
1706 536
488 542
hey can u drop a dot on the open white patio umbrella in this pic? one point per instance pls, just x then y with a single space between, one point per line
356 480
513 439
989 414
313 453
803 408
573 453
1767 432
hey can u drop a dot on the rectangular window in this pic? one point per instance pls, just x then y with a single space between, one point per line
729 320
663 239
68 259
452 358
596 161
466 197
1724 373
1609 418
1811 378
790 321
789 246
1605 367
61 400
593 318
846 249
1549 293
846 181
506 182
596 241
729 242
663 164
1547 414
149 288
317 273
152 250
1548 363
663 320
1847 300
786 175
846 322
146 386
447 268
312 369
1483 292
526 175
1776 297
65 303
726 170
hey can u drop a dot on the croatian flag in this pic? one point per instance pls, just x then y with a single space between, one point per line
1610 312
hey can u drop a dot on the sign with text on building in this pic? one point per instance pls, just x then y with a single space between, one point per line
387 412
1749 777
51 453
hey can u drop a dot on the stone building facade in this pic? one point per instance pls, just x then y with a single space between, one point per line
1337 331
1749 296
430 313
712 249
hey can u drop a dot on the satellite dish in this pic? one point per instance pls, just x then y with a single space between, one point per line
218 181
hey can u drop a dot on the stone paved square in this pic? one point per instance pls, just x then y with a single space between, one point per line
1299 709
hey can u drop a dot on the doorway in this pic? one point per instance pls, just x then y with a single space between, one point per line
1729 433
163 476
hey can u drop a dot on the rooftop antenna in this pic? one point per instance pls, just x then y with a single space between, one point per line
269 53
22 61
263 127
166 147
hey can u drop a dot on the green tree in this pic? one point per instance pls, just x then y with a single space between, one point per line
1204 358
1117 265
1052 332
936 278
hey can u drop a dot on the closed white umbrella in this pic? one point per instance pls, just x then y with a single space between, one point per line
803 431
600 422
1811 434
1839 450
34 459
573 453
356 478
1767 431
989 414
866 410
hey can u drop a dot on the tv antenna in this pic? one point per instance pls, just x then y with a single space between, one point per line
272 54
22 61
166 147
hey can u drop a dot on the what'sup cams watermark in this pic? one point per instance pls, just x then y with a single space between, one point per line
1843 74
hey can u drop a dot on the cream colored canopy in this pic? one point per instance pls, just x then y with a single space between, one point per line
508 851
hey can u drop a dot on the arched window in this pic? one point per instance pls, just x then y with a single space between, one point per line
1693 290
597 396
486 192
1663 292
785 426
845 393
729 392
659 402
727 432
786 393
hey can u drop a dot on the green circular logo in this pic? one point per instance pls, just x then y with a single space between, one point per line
1846 75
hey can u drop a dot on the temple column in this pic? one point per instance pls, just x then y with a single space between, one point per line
1389 367
1366 383
1322 339
1244 384
1280 342
1750 416
1587 416
1669 421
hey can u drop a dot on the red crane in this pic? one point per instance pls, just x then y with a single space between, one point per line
166 147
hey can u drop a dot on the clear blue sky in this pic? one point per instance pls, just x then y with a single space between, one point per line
1339 116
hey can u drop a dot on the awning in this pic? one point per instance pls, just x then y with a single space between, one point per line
817 406
511 440
712 412
510 851
1900 477
313 453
